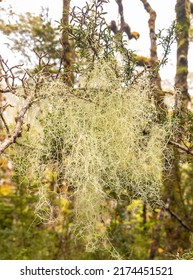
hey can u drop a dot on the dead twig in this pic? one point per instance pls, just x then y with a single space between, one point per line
183 148
18 127
173 214
9 76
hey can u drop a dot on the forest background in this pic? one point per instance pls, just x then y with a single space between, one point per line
96 155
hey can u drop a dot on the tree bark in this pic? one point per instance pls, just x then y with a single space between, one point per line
183 25
153 48
67 51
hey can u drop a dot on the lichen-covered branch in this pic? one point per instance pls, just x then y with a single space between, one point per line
152 33
151 23
142 60
67 57
183 25
124 26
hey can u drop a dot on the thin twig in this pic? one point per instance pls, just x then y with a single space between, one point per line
18 127
5 123
179 146
173 214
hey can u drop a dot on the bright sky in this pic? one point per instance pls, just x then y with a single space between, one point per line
135 16
134 12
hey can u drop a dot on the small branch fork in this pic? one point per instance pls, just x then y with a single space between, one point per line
124 26
9 77
188 150
174 215
18 126
8 80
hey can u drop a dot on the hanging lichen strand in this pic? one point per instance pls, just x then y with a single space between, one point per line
101 141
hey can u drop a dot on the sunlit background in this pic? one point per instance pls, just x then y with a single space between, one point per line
135 16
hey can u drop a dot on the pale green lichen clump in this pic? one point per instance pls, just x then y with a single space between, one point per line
103 140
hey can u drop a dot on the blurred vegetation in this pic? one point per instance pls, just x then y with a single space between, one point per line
28 34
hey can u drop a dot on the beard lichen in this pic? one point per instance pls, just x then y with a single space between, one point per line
102 141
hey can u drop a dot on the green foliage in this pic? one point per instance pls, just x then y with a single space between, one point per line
182 70
127 229
23 232
28 33
89 30
92 39
188 255
166 39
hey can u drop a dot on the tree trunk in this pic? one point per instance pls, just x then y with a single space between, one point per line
183 24
67 50
177 237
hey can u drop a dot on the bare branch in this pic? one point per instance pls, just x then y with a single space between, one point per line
4 122
120 6
183 148
173 214
124 26
18 127
8 76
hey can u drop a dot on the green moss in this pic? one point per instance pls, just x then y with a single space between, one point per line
181 42
182 70
183 16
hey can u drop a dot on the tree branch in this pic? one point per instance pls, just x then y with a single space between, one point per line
183 9
124 26
4 122
187 227
153 39
18 127
67 51
191 7
152 33
120 6
179 146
